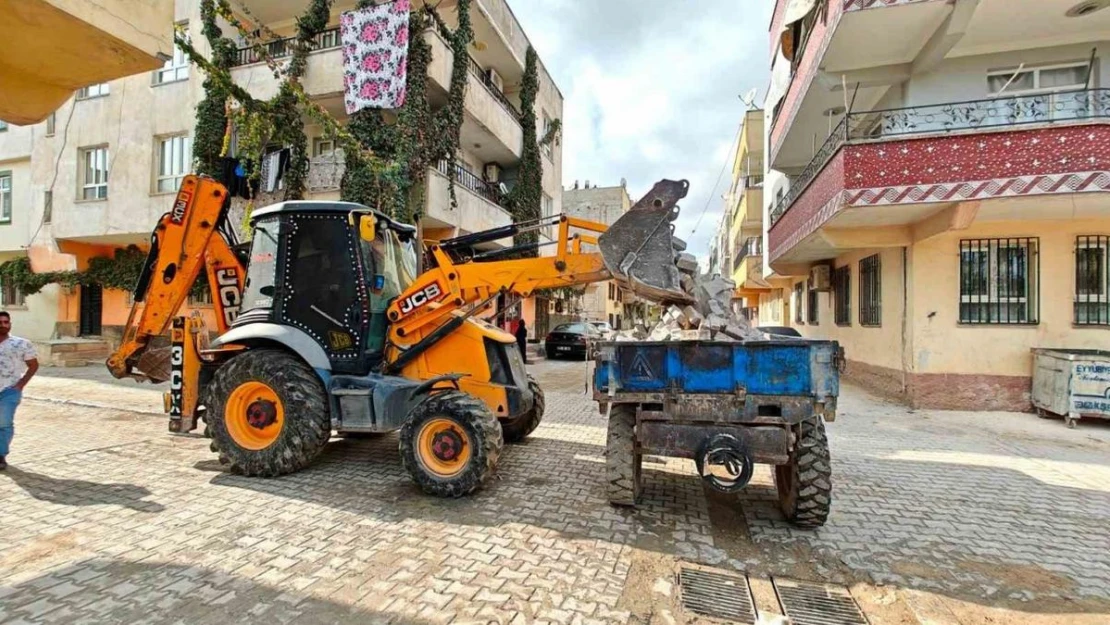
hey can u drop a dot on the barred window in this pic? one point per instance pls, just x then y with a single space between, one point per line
798 300
811 304
1092 266
842 292
871 291
998 281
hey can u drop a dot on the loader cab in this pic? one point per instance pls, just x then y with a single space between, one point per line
311 269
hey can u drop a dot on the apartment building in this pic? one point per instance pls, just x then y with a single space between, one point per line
938 188
98 173
601 301
742 231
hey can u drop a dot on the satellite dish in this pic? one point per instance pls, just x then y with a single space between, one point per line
749 98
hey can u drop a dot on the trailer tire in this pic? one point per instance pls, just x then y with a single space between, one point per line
450 444
805 484
622 461
282 390
518 428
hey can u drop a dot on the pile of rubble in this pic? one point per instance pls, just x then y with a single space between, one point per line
710 318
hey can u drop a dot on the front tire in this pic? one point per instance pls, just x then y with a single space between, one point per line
450 444
269 413
518 428
805 485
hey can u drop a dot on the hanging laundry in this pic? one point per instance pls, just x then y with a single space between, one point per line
375 56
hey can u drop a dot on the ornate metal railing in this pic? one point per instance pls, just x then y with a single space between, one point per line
279 48
1001 112
483 77
468 179
752 246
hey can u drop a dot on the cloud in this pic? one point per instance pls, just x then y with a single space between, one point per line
652 91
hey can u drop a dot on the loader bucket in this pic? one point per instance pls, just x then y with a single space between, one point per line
639 249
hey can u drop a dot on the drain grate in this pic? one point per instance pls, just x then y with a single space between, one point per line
817 604
716 595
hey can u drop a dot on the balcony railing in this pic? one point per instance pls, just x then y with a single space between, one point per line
753 246
279 48
753 181
483 77
995 113
473 182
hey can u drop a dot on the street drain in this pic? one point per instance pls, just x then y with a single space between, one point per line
716 595
817 604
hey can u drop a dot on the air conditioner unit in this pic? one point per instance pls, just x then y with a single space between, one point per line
820 277
493 172
495 79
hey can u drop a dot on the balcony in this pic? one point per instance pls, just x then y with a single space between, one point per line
478 203
281 48
930 157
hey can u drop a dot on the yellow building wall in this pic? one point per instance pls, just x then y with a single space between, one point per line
942 345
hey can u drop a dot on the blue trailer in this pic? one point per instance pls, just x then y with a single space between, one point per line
727 406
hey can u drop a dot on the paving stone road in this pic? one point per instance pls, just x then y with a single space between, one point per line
106 518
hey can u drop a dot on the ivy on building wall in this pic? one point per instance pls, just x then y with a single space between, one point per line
119 271
208 138
526 197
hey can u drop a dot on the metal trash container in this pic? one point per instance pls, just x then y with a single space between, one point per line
1073 383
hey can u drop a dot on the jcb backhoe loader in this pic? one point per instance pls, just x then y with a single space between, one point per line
324 325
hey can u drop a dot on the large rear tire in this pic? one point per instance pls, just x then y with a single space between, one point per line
805 485
622 461
269 413
518 428
450 444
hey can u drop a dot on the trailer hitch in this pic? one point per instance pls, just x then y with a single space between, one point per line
731 455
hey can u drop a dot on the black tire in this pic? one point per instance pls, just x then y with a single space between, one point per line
622 461
482 430
518 428
307 424
805 485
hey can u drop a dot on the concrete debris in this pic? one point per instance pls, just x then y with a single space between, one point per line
687 263
710 319
691 318
688 283
679 244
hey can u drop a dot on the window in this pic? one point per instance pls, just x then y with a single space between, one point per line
1092 266
202 300
811 305
10 295
998 281
272 170
548 205
47 207
798 299
175 69
94 173
842 294
3 126
546 128
92 91
51 122
871 291
5 198
1047 79
321 146
175 155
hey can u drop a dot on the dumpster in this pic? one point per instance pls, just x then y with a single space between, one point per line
1072 383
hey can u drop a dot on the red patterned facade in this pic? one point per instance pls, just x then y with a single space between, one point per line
1074 159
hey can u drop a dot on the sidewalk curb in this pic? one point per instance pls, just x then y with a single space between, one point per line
89 404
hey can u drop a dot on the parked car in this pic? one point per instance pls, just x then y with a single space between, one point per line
606 330
571 339
779 331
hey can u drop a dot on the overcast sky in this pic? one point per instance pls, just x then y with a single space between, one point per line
651 90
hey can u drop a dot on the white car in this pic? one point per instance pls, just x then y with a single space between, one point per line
605 329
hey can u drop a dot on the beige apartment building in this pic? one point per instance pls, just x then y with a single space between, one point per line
601 301
938 188
99 172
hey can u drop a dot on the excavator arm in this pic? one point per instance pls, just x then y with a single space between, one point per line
192 237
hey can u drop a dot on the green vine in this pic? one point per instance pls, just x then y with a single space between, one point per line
526 197
211 112
120 272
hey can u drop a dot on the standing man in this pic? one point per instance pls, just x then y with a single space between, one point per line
18 364
522 340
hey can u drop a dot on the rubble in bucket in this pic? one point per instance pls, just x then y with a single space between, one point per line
710 318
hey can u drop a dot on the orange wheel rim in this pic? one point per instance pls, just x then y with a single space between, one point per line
443 447
254 415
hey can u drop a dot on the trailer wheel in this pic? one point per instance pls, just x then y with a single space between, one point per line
518 428
268 414
805 484
450 444
622 461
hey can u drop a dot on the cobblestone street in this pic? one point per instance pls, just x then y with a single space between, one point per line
938 517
